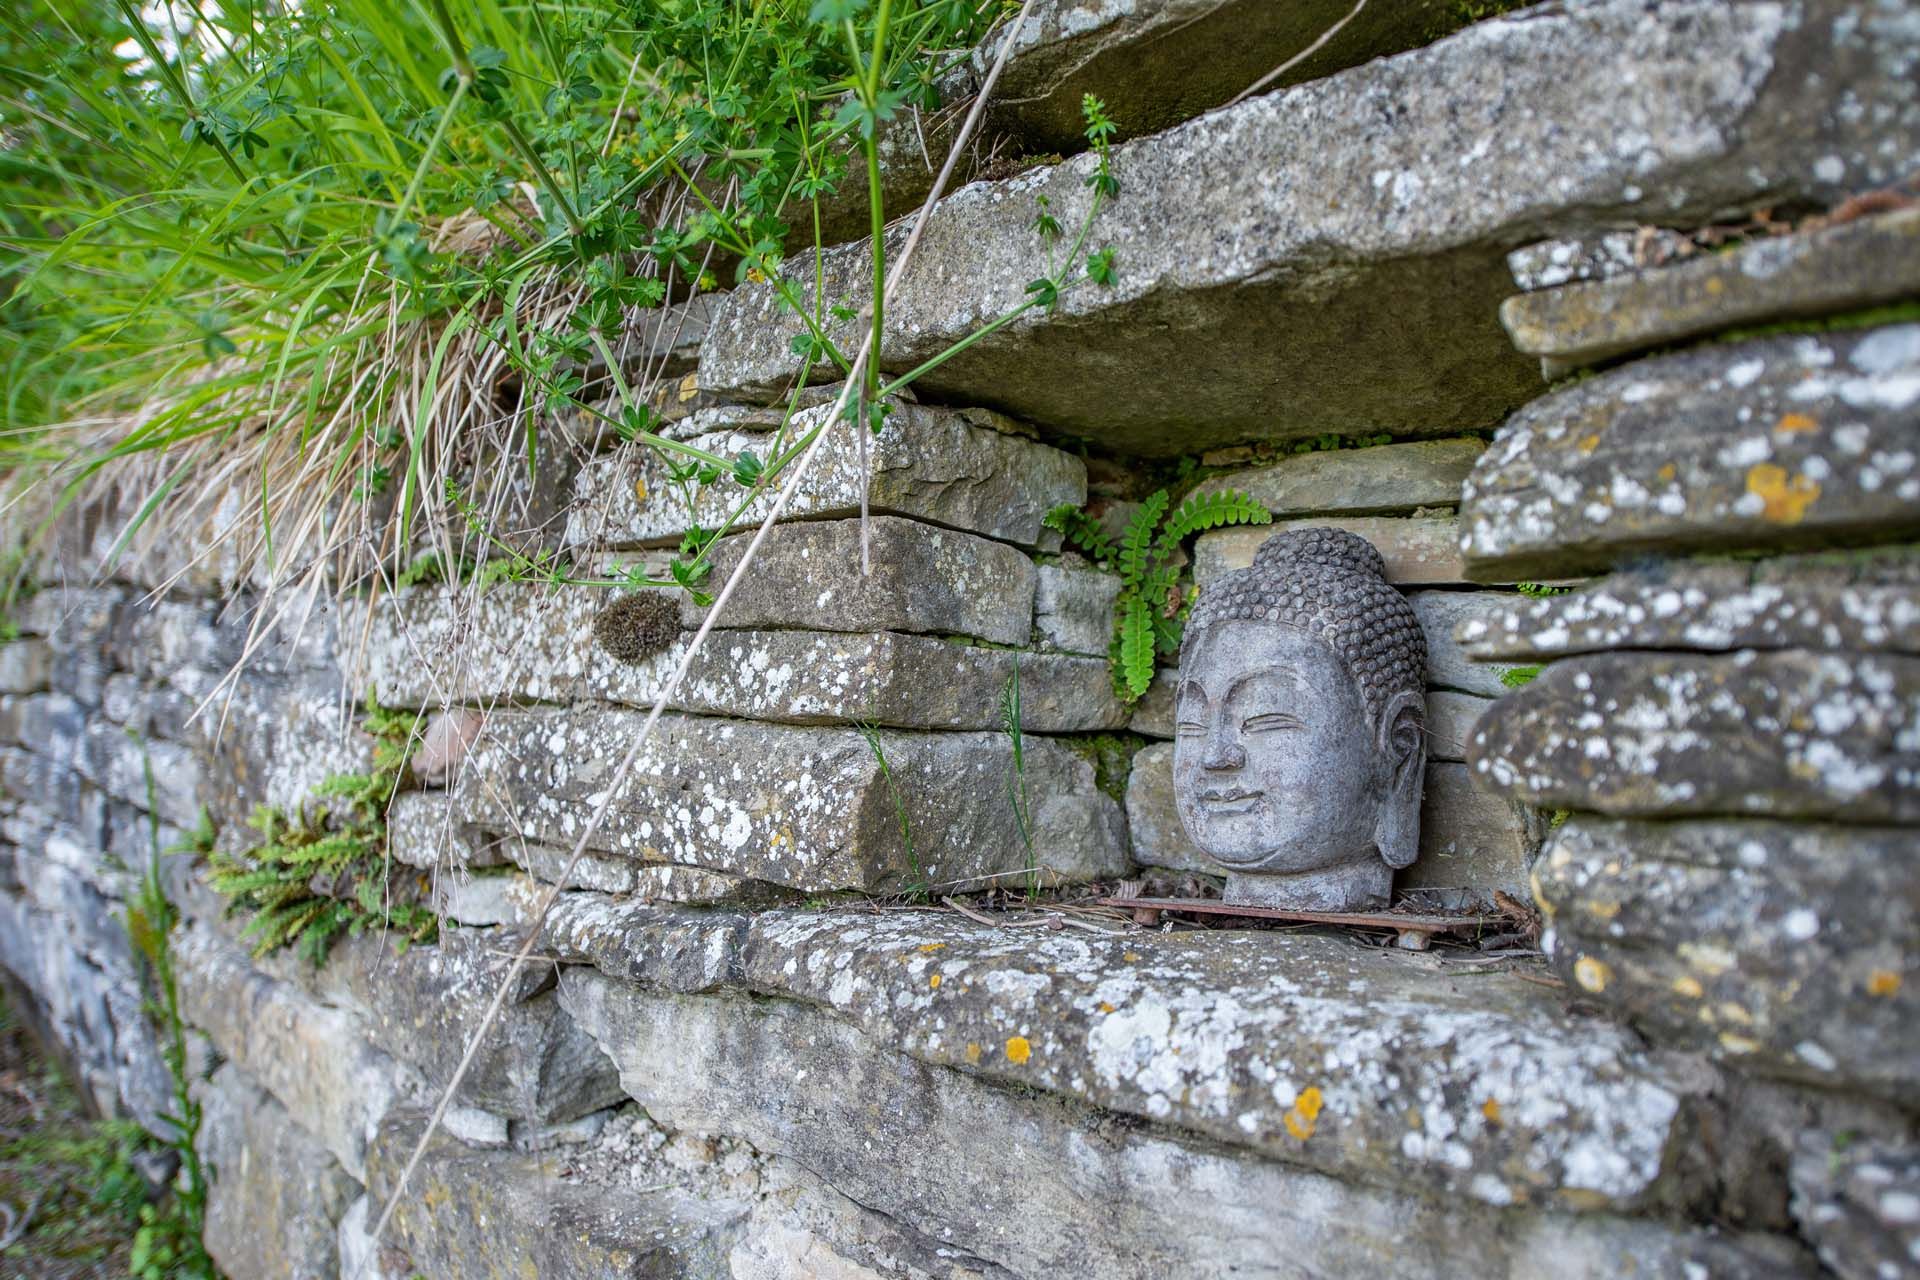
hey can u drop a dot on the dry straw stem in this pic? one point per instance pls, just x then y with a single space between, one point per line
799 471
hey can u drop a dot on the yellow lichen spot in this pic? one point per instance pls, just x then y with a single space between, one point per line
1604 910
1491 1110
1667 472
1794 423
934 981
1715 285
1882 982
1018 1050
1737 1014
1591 973
1786 498
1709 959
640 491
1105 1007
1304 1114
690 386
1131 957
973 1053
1589 444
932 946
1733 1043
1689 986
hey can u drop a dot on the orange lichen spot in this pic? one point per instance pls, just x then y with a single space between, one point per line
1882 982
1589 443
1018 1050
1592 974
1715 285
973 1053
1794 423
1786 498
640 491
1105 1007
1491 1110
932 946
1689 986
1667 472
690 386
1304 1114
934 982
1131 957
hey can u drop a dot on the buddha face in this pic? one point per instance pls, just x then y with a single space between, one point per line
1276 765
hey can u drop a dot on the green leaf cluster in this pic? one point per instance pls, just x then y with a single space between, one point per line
1151 609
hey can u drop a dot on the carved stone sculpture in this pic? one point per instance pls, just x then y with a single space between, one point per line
1300 749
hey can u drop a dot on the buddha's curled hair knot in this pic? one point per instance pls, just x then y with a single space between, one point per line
1333 585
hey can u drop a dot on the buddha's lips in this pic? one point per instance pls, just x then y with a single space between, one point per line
1230 803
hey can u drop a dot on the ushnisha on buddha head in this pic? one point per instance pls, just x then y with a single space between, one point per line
1300 749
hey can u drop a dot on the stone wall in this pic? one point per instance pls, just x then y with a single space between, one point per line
756 1044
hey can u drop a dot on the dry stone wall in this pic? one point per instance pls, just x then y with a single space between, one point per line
755 1043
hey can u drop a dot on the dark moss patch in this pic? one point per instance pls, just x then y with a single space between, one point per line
635 628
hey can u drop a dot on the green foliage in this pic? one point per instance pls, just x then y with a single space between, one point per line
1540 590
1151 608
1017 797
1515 677
917 887
322 873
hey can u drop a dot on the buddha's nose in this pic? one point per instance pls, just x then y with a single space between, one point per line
1224 753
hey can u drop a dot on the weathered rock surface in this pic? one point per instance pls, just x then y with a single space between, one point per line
1419 550
811 809
664 948
1776 443
1785 949
1859 1206
526 643
1712 607
1080 1192
1787 734
1073 608
1255 247
1157 65
308 1056
275 1195
1470 838
957 468
924 579
1442 614
1385 479
1838 268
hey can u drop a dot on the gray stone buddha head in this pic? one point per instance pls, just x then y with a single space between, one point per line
1300 748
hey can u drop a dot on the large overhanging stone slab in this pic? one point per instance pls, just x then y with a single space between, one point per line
1715 607
811 809
1838 268
1470 838
525 642
1063 1191
1382 480
1156 65
1777 443
1339 247
923 579
275 1195
952 467
1784 949
1791 734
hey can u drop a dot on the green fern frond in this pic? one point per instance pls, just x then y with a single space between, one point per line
1204 511
1137 543
1136 647
1081 530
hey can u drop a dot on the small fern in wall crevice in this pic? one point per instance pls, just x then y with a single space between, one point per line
1151 610
322 872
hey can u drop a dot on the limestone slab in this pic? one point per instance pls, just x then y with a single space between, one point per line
665 948
1442 614
1704 608
924 579
1776 443
1845 267
310 1057
1785 949
1070 1191
275 1194
1787 734
530 643
1339 247
807 808
1073 607
1418 550
1470 838
1381 480
951 467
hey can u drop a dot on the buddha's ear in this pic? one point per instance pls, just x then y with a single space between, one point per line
1403 746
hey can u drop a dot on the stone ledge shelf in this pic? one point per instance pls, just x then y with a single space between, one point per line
1339 248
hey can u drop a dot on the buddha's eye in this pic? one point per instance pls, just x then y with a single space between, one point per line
1190 729
1269 721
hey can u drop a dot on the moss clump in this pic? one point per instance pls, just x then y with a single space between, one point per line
1111 755
635 628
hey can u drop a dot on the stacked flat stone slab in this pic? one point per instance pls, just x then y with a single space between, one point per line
1339 248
